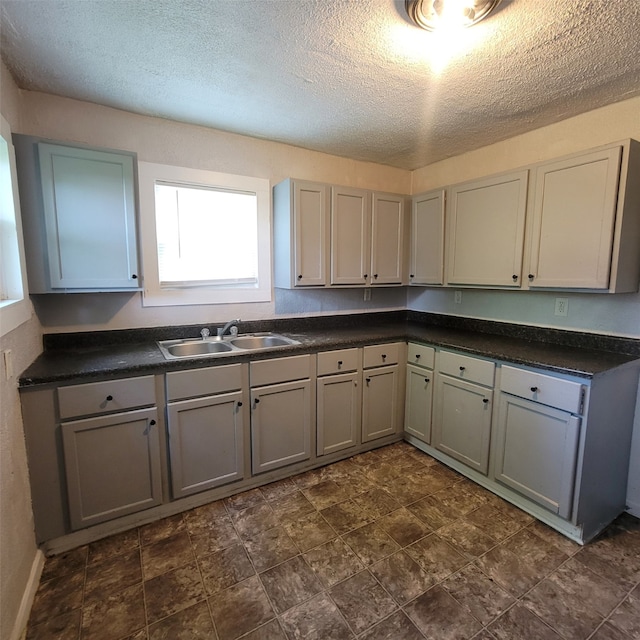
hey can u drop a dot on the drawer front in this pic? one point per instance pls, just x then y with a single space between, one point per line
421 356
378 355
466 368
278 370
549 390
203 382
105 397
339 361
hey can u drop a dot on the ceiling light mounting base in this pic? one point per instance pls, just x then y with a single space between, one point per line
435 14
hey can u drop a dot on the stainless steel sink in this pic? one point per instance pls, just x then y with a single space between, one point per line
259 342
197 348
223 346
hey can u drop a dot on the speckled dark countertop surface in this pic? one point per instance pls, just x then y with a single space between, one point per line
99 355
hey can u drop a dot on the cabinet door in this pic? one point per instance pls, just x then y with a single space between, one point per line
536 452
427 239
486 231
380 403
311 233
462 421
350 235
205 442
112 466
573 221
338 412
89 212
387 239
280 425
419 396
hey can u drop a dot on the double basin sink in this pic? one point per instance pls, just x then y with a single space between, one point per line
221 346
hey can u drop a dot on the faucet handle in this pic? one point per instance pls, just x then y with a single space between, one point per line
234 330
205 333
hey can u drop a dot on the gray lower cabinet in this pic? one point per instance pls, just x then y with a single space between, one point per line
381 405
537 437
419 393
338 400
463 406
281 412
206 432
112 466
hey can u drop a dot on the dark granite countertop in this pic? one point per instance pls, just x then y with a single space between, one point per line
98 355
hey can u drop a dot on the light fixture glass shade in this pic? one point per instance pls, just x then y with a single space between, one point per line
435 14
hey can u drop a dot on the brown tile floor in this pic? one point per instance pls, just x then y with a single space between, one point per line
387 545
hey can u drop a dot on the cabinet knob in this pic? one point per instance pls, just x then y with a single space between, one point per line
411 275
384 356
417 356
462 368
514 277
339 363
134 276
367 380
300 277
239 404
366 275
531 276
109 398
257 401
485 400
375 276
152 423
427 380
534 389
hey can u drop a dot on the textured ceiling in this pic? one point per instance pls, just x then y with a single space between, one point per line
348 77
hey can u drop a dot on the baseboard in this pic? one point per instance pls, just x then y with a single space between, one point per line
20 624
633 508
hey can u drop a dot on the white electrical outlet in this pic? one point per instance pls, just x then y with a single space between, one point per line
457 297
562 307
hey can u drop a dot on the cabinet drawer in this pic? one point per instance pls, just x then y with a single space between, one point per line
338 361
203 382
466 368
549 390
378 355
280 370
421 355
106 397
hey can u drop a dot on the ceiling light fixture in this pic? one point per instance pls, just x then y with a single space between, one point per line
436 14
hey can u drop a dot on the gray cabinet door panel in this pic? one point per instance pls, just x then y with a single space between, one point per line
536 452
280 425
205 442
112 466
380 403
419 396
338 412
462 421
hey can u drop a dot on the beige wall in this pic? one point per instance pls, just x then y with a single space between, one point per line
19 560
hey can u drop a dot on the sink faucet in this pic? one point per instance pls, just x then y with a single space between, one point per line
222 331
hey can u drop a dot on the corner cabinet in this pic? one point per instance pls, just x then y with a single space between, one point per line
79 217
585 222
485 231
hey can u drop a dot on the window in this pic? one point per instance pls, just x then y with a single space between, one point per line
206 236
14 305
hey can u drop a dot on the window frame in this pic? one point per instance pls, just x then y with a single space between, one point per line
154 295
16 310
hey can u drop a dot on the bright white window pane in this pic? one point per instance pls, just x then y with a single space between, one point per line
14 307
205 236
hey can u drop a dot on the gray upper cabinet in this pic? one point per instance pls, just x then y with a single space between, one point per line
301 233
79 217
585 221
485 227
387 240
427 238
